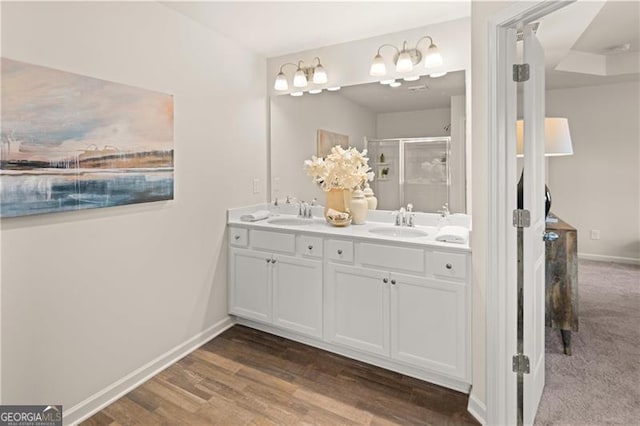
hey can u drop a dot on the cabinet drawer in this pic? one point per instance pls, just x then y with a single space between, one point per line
390 257
273 241
238 237
449 265
309 246
340 250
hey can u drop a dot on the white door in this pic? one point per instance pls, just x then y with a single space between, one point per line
533 244
428 323
358 308
250 289
297 295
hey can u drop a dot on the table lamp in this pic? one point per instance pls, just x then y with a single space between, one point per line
557 143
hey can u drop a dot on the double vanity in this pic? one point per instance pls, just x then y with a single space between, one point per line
387 295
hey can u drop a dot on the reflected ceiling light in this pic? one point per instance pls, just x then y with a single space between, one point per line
315 73
296 93
406 58
395 84
437 74
334 89
412 78
315 91
387 81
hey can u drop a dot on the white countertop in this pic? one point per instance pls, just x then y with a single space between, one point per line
427 222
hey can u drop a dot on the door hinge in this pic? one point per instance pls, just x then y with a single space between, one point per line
520 72
521 218
520 364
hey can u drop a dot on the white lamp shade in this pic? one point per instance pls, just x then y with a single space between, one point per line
281 82
319 75
557 138
404 63
299 79
378 68
433 58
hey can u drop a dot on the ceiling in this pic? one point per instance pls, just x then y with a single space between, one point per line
577 39
277 28
431 93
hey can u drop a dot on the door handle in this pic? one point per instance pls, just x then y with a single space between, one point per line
550 236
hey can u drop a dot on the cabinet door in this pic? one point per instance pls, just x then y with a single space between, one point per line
429 324
250 288
357 308
297 295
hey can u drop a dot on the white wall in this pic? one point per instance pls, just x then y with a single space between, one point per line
294 125
599 186
413 124
88 297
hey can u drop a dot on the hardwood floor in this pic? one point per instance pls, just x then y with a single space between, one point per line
245 376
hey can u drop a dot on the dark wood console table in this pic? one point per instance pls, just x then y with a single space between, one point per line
561 283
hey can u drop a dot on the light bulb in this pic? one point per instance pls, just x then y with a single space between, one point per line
299 79
281 82
319 75
433 58
378 68
404 63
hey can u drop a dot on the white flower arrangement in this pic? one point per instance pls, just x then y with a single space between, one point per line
341 169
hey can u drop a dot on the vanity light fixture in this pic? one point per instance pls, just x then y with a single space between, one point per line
406 58
302 75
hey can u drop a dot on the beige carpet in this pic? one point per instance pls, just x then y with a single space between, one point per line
600 383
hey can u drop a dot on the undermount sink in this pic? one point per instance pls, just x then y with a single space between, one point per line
398 232
290 221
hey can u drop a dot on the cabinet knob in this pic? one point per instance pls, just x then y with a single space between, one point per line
273 261
236 237
268 260
339 251
384 280
310 247
393 282
448 266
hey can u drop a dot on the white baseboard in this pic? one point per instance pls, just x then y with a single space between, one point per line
116 390
477 408
603 258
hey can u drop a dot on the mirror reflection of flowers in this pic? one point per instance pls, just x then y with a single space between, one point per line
341 169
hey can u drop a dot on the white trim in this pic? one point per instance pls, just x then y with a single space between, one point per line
116 390
500 305
459 385
603 258
477 408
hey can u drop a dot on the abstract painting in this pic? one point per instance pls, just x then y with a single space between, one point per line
327 140
71 142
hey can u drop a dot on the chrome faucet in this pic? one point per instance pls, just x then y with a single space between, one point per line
401 217
304 210
445 210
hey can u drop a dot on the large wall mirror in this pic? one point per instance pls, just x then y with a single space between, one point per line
415 135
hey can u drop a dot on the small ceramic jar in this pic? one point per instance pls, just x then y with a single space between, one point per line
359 207
372 201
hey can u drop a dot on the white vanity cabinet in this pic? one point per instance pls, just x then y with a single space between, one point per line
402 306
274 288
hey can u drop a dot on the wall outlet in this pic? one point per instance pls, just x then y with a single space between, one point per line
256 186
595 234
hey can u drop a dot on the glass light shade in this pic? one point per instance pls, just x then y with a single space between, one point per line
334 89
557 138
296 94
437 74
404 63
395 84
387 81
433 58
315 91
299 79
378 68
412 78
281 82
319 75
